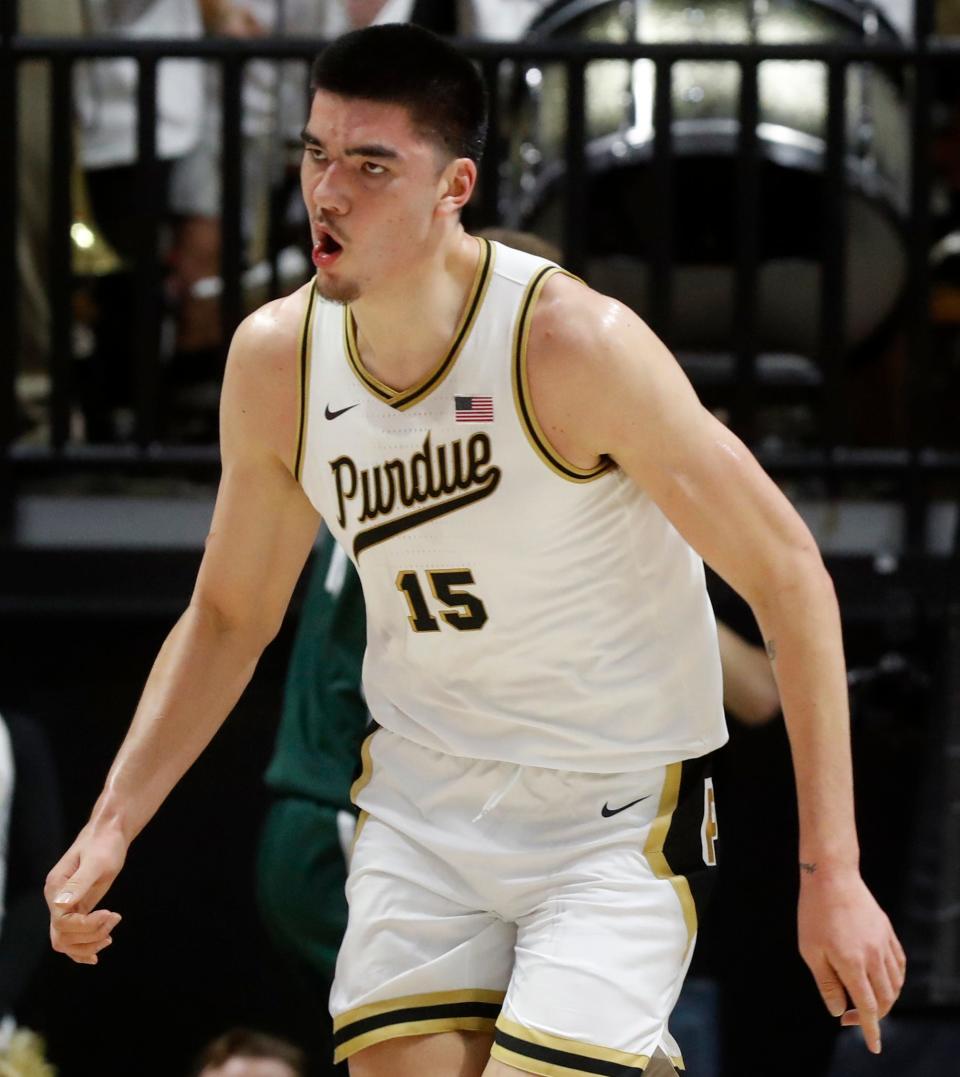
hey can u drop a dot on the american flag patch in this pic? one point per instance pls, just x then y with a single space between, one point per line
473 409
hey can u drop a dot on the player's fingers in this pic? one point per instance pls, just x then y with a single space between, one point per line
84 951
898 953
73 893
828 984
865 1003
78 923
84 889
895 971
883 989
77 928
58 875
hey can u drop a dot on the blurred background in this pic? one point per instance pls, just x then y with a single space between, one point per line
773 184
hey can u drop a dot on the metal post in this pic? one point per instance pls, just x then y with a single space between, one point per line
61 218
575 196
490 175
9 296
748 254
148 272
661 268
919 338
833 246
232 247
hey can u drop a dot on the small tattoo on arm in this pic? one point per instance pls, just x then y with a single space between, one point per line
771 649
809 869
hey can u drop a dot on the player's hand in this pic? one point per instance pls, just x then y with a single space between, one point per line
74 888
850 946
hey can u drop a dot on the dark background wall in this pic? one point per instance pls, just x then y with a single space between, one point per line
189 959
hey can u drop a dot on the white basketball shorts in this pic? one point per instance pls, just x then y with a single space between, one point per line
555 910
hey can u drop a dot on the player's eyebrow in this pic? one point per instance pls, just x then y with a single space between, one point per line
371 149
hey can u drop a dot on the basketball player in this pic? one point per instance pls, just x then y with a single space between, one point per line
522 475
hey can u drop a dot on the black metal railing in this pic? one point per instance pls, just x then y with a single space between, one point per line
910 468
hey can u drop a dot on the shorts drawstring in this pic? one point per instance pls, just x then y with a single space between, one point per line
494 799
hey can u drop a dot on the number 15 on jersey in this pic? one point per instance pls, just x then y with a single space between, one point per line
460 609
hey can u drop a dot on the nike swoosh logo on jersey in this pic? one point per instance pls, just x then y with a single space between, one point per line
328 414
606 811
365 539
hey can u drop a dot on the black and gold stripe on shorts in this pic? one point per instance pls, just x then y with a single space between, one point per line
415 1015
517 1046
673 848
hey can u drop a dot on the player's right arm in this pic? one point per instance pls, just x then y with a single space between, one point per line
262 531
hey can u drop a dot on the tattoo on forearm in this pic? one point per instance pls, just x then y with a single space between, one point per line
808 868
771 649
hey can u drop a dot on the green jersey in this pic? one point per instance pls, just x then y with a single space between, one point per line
324 717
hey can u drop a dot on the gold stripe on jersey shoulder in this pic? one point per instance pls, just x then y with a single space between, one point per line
303 380
407 398
521 389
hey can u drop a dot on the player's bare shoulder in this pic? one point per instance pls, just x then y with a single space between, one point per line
572 357
261 396
574 329
597 373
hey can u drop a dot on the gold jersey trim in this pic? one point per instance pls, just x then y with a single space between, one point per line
366 772
406 398
303 380
357 831
521 388
653 850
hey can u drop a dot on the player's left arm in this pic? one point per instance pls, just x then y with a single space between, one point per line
604 385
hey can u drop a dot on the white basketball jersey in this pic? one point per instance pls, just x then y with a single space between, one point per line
518 608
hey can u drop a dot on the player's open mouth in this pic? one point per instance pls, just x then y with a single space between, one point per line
326 249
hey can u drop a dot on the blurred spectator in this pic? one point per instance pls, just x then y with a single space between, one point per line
195 195
105 94
242 1052
43 17
107 108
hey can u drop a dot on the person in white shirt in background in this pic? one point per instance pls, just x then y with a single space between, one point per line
105 97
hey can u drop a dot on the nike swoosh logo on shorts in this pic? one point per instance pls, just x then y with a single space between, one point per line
328 414
606 811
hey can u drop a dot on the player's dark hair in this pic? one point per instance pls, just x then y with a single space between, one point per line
406 65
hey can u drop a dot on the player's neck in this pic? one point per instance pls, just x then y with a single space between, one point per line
403 332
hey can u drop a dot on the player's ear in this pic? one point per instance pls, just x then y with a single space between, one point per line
457 182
